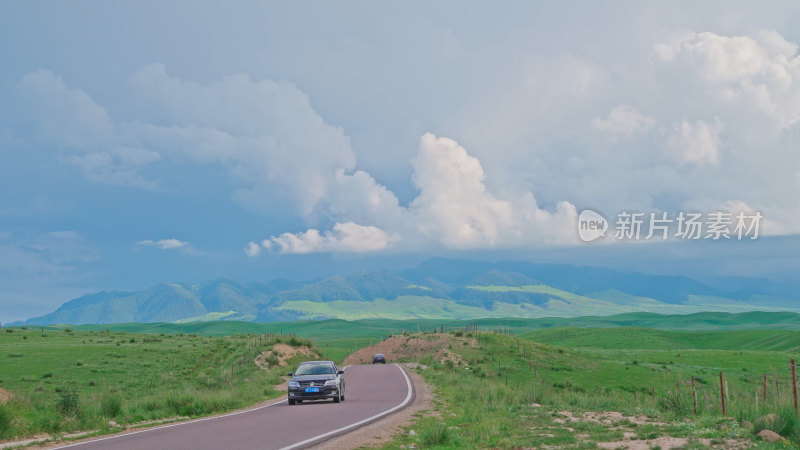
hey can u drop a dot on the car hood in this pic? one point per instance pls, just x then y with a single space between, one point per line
314 377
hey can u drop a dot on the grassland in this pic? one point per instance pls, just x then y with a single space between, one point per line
537 383
645 338
510 392
65 380
337 338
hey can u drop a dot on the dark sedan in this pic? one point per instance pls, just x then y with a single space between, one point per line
316 380
378 358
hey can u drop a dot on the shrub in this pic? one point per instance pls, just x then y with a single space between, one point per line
68 402
111 405
436 436
786 424
5 421
675 403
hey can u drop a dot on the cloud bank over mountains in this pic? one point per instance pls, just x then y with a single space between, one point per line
734 100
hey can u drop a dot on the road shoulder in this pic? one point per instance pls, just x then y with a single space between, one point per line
380 432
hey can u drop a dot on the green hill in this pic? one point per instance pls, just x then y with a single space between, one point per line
437 289
646 338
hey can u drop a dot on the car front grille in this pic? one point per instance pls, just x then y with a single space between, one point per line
317 383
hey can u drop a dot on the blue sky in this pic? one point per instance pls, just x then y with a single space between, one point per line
146 142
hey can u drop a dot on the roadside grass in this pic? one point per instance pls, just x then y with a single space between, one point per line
75 378
509 392
67 380
654 339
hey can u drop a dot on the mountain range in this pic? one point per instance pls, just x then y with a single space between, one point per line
437 288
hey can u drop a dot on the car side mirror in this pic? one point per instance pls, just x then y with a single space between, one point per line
291 374
341 372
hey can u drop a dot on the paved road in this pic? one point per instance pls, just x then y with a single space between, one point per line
371 391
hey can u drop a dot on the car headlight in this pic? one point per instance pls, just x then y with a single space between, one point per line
294 384
332 383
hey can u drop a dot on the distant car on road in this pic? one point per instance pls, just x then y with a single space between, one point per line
316 380
378 358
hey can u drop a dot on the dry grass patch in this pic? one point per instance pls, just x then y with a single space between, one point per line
280 354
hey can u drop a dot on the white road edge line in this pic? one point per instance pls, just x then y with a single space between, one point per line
172 425
360 422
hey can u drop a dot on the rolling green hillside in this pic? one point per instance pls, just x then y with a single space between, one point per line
646 338
373 328
437 289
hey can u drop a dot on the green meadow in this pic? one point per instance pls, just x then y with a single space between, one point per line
511 391
65 380
516 382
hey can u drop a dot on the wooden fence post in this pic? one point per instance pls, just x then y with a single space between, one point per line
794 388
694 397
722 393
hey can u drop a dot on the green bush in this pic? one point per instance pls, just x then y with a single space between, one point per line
68 402
111 404
5 421
675 403
436 436
786 423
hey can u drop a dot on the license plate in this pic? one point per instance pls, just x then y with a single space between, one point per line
312 389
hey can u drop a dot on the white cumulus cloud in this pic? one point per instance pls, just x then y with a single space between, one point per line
345 237
166 244
761 71
265 132
696 142
60 114
252 249
454 209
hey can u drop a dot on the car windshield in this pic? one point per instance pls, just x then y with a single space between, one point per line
315 369
379 355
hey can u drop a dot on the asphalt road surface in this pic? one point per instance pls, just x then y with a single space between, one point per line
372 392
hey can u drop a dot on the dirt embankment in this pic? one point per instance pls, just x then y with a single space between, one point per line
281 353
408 348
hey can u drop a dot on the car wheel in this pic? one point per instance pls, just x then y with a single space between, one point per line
291 401
336 399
